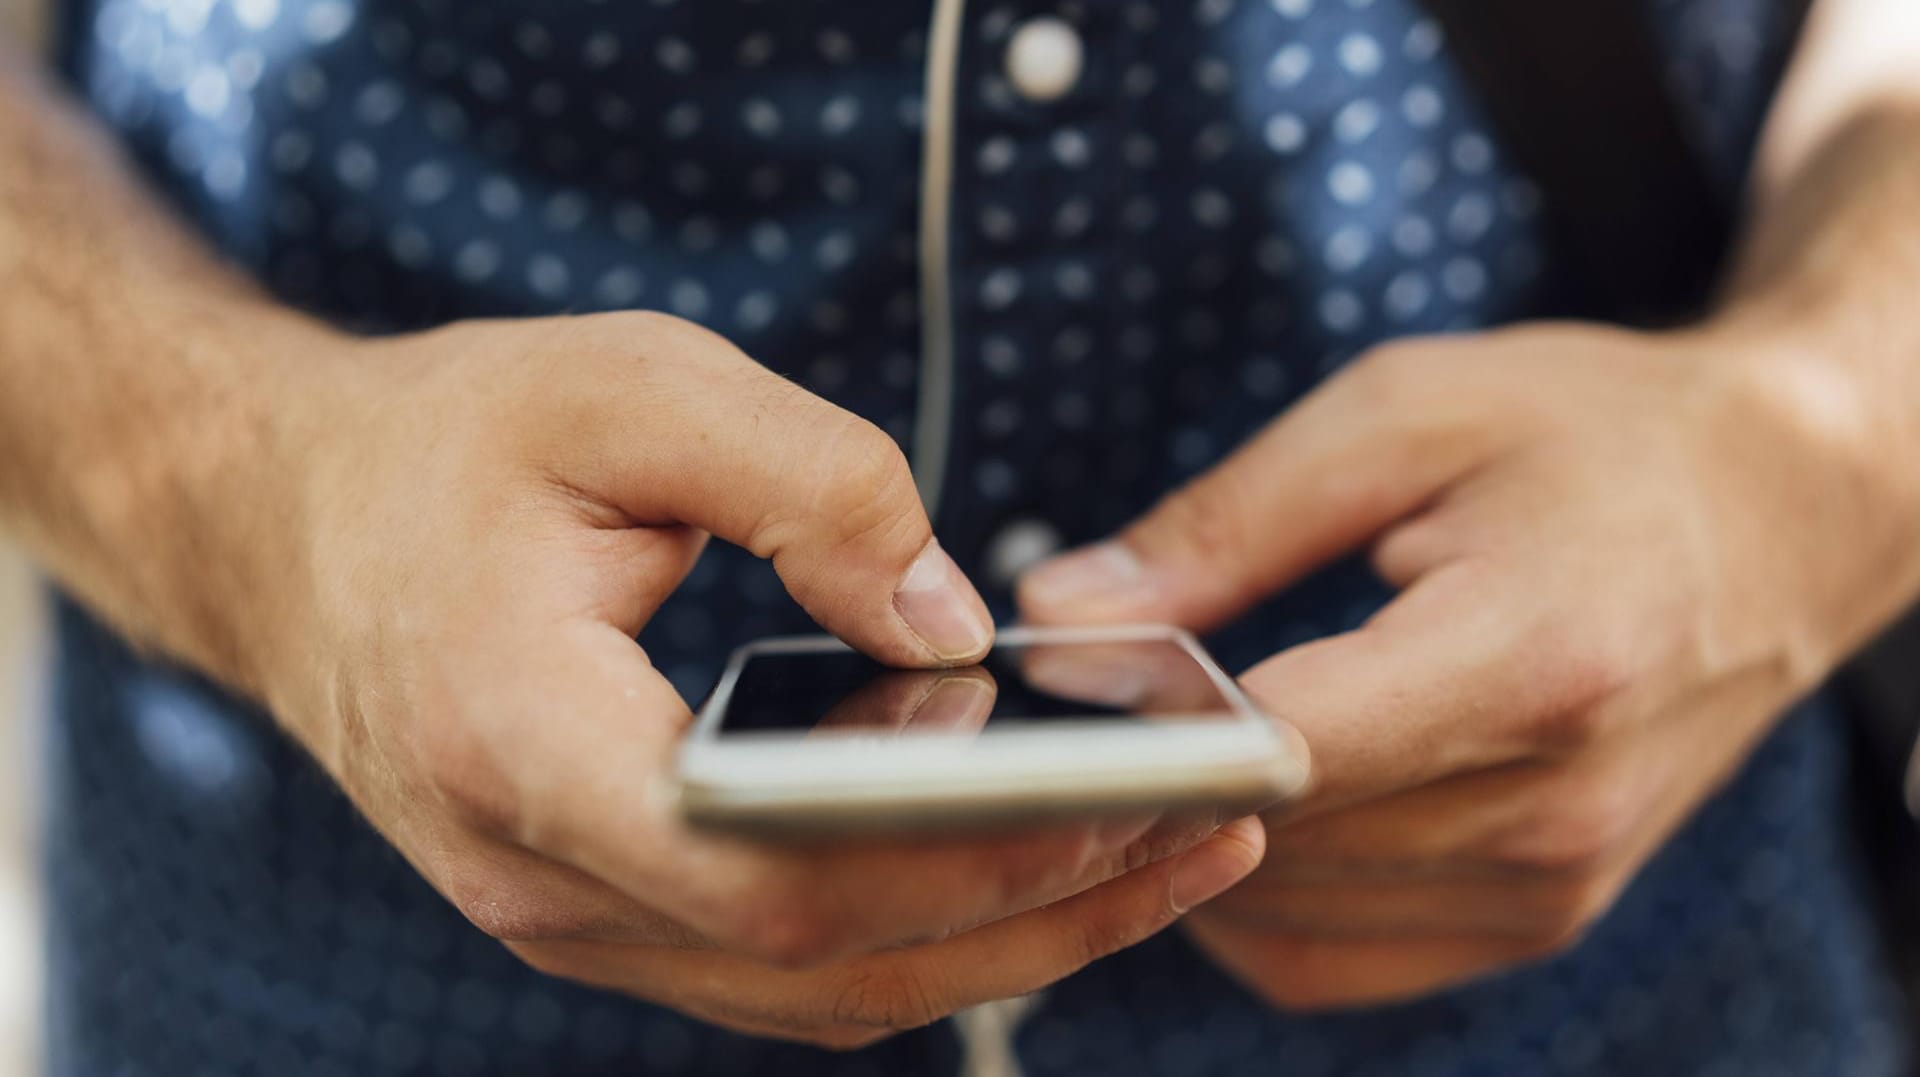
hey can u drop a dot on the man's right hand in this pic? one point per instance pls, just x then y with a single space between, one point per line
471 525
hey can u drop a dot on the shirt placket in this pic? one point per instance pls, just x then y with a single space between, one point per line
1034 189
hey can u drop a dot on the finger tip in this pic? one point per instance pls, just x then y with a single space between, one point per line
1247 830
1218 864
1089 582
942 611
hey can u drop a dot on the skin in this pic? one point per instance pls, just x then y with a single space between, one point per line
427 556
1620 557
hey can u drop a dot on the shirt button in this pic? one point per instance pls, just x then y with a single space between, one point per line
1043 59
1018 546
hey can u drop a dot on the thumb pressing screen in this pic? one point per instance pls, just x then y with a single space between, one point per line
804 734
1017 685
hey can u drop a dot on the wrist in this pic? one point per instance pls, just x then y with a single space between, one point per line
1824 366
1814 424
204 506
1824 274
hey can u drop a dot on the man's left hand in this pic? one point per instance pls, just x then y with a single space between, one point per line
1621 558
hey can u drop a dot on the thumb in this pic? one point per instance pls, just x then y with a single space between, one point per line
1319 481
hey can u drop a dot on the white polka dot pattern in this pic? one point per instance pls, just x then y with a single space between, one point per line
1170 220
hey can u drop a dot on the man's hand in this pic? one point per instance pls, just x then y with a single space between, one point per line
487 514
1621 557
429 555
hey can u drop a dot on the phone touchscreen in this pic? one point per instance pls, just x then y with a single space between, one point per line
1018 685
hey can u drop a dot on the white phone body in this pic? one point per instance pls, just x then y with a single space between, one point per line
830 781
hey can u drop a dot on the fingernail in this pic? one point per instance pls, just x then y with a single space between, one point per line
1111 684
937 605
1210 870
956 703
1101 573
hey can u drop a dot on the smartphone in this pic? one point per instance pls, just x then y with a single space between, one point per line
804 735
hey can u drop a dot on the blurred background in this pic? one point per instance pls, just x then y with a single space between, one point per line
19 938
19 637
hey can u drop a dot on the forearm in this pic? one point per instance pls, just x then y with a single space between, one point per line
139 381
1833 236
1821 300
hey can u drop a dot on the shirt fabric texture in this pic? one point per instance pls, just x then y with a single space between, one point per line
1233 199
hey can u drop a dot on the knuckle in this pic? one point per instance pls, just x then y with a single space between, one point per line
856 485
1594 672
1560 730
865 473
1582 671
889 997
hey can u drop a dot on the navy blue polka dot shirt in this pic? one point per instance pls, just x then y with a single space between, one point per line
1155 224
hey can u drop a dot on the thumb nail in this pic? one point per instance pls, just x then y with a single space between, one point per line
1103 574
939 606
1214 866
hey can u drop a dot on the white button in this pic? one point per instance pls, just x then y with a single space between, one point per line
1017 547
1043 59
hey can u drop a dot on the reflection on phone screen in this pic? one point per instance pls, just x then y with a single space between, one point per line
1025 684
